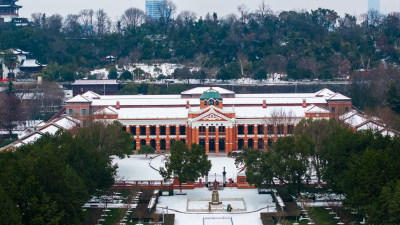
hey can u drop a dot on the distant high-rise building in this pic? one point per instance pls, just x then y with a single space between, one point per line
374 5
152 8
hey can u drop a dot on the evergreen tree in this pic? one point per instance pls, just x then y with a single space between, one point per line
185 164
393 98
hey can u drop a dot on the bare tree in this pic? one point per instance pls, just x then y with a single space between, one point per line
263 10
72 26
86 19
166 10
186 16
244 12
10 111
275 64
103 22
132 17
54 23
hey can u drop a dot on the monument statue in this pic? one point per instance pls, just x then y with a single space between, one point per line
215 194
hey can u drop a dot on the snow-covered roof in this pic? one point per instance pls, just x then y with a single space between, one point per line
51 129
388 133
30 63
347 115
77 99
31 138
370 126
146 113
269 112
201 90
107 111
325 93
316 109
95 82
338 97
65 123
91 95
355 120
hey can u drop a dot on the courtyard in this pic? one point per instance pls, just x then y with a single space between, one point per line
191 208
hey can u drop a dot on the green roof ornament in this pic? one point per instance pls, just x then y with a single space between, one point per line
211 94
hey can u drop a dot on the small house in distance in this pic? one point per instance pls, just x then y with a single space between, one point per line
102 87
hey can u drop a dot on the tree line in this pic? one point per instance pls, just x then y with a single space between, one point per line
364 166
48 182
306 45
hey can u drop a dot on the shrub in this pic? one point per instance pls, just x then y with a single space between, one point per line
146 149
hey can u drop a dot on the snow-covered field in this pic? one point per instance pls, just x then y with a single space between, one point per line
137 167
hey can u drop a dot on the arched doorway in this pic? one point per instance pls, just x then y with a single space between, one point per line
142 142
163 145
270 141
240 144
211 146
221 145
250 143
153 143
202 143
260 144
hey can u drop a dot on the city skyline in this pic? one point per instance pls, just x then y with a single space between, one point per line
223 7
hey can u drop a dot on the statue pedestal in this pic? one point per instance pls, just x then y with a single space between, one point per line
215 198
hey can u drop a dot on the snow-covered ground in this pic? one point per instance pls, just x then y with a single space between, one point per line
255 203
137 167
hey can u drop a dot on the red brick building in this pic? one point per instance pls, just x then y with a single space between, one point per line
218 119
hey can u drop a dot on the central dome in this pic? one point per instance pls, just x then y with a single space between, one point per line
211 94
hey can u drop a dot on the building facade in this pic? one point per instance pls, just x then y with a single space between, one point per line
218 119
374 5
152 8
9 10
104 87
26 65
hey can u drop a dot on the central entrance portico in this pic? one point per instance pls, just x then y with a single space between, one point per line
213 127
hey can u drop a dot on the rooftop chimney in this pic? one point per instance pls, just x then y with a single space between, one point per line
304 103
187 104
264 103
118 106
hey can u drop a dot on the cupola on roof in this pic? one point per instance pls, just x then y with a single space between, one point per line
211 94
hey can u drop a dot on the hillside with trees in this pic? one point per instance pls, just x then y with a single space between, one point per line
305 45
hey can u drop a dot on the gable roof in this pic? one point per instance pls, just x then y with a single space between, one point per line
78 99
316 109
107 111
91 95
338 97
212 115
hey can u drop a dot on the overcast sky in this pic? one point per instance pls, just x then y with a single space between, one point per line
223 7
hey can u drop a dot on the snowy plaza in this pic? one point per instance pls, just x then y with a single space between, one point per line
247 204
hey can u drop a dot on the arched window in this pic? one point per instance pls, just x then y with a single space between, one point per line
217 102
250 143
163 144
153 143
250 129
211 102
240 144
260 144
205 102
